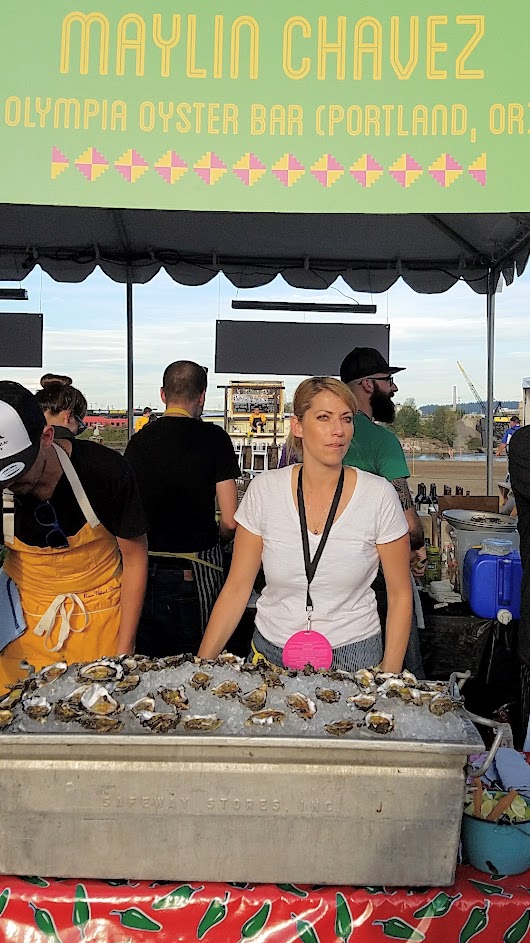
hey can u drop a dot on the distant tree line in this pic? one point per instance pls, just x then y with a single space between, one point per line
468 407
440 425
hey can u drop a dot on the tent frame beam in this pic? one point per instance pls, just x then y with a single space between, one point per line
490 331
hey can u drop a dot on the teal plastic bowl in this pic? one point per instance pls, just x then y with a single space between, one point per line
496 847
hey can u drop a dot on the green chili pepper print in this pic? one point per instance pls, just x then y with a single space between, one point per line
490 889
81 910
255 924
135 919
475 923
343 919
37 882
4 897
399 930
44 922
176 898
518 930
214 914
292 889
305 930
439 906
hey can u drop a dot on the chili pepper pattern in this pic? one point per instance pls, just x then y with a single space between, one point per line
476 908
518 930
81 910
36 881
176 898
256 923
4 898
379 889
135 919
292 889
475 923
44 922
491 890
343 918
439 906
399 929
306 931
214 914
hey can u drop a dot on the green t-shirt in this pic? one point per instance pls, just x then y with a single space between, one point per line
377 450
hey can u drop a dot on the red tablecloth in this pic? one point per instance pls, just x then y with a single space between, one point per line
37 910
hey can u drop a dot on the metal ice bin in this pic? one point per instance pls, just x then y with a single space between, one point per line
258 809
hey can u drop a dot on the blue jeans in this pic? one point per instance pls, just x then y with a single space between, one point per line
171 619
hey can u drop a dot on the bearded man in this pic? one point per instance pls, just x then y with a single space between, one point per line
376 449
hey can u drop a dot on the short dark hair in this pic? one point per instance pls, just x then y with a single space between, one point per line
184 380
147 409
514 418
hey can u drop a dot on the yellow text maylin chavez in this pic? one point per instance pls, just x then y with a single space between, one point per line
216 47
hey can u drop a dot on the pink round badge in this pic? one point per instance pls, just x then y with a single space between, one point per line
307 648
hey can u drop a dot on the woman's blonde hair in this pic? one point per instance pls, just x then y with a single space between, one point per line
303 397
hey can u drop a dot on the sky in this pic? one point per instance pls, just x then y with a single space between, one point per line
84 334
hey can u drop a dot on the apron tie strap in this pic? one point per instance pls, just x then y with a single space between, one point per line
64 606
192 556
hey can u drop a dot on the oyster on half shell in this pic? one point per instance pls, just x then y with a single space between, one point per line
6 718
206 722
363 702
328 695
200 680
380 721
159 722
146 703
176 697
256 699
97 700
302 705
441 704
102 670
51 673
340 727
126 684
36 707
227 689
268 716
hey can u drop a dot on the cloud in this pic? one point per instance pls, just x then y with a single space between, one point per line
85 337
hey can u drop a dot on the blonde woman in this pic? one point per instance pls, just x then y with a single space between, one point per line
357 517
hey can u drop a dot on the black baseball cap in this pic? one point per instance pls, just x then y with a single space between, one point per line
364 362
21 424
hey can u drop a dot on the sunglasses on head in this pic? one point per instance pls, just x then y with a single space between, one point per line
81 426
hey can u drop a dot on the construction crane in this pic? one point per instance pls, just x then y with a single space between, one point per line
475 392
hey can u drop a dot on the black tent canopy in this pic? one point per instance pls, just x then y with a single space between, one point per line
371 252
430 253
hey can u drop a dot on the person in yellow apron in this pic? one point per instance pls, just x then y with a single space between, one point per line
79 569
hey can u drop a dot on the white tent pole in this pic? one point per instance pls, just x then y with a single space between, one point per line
130 352
490 323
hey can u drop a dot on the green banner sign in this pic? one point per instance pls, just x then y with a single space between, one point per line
320 106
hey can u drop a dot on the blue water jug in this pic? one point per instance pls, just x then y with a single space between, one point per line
493 582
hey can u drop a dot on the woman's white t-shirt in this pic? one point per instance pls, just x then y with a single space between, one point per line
344 606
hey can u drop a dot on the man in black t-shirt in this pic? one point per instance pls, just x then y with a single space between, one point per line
182 466
519 471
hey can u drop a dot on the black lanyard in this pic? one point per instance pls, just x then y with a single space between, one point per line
311 565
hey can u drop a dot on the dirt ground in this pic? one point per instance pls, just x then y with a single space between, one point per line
470 475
